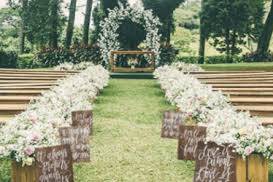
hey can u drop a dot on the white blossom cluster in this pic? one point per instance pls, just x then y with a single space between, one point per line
207 108
71 66
184 67
38 125
108 40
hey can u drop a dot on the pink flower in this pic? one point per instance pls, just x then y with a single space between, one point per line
34 136
29 150
33 117
249 150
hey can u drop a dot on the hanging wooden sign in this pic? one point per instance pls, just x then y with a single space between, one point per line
215 163
78 139
83 119
54 164
189 138
170 125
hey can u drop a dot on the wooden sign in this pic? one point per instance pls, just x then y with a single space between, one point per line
54 164
78 139
215 163
83 119
189 138
170 125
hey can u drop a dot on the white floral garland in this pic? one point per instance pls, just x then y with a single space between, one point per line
108 38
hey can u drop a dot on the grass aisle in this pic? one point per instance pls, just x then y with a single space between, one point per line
126 145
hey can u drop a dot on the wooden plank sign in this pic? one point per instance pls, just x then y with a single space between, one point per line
78 139
170 125
189 138
54 164
215 163
83 119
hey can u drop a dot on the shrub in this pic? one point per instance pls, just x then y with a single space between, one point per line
168 54
26 61
255 57
8 59
209 59
53 57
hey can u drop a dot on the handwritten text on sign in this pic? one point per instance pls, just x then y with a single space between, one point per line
78 139
170 125
189 137
83 119
54 164
215 163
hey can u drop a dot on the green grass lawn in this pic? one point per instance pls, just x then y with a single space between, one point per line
126 145
239 67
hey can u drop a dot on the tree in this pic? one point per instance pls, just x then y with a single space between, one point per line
202 41
264 40
86 24
54 22
228 23
164 10
22 32
21 6
70 24
100 12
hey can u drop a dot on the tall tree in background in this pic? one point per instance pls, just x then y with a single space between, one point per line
86 24
229 23
100 12
164 9
54 22
22 7
202 41
264 40
70 24
22 33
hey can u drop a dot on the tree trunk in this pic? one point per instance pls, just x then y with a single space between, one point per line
22 39
70 25
54 16
264 40
86 24
22 29
202 41
227 41
233 44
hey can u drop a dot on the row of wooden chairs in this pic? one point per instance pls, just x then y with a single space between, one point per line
248 91
19 87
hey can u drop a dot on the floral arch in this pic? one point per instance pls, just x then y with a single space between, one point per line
108 38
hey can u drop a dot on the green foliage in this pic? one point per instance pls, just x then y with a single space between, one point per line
8 59
255 57
130 34
229 22
187 15
182 40
53 57
168 54
210 59
5 170
26 61
164 9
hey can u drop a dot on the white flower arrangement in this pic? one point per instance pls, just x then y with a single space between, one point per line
71 66
211 109
108 40
184 67
38 125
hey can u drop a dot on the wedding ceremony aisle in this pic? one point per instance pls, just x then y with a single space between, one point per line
126 145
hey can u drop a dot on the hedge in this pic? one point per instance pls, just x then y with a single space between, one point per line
8 59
